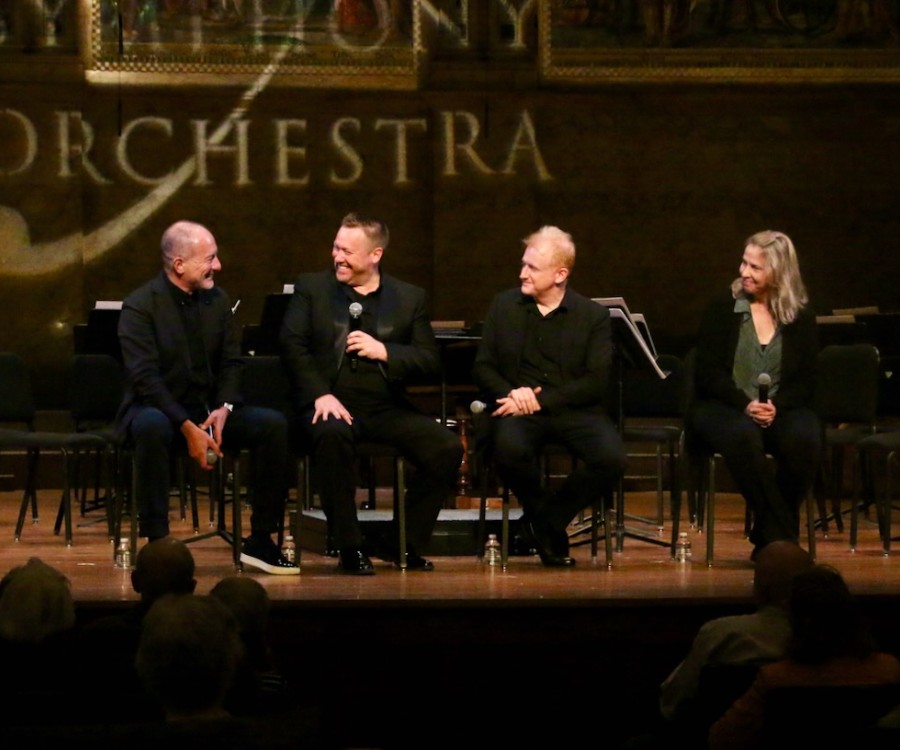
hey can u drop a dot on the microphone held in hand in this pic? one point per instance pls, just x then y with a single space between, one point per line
479 407
355 311
211 456
762 383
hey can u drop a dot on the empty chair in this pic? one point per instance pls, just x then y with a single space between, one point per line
96 385
887 446
17 408
847 404
654 413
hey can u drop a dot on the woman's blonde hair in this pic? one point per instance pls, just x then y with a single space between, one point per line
788 294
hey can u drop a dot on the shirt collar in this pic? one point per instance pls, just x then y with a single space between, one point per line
181 297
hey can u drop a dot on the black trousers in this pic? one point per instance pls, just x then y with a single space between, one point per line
262 431
434 452
591 437
794 440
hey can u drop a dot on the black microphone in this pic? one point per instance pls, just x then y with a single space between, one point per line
356 311
479 407
762 383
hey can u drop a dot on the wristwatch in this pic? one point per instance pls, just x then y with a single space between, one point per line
228 406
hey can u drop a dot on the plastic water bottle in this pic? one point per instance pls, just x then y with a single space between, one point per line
123 554
289 549
683 548
492 550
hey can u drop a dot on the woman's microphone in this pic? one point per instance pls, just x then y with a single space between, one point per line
762 384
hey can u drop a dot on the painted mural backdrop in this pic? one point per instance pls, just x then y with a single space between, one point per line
458 143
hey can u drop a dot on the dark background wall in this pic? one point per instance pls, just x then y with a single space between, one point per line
659 185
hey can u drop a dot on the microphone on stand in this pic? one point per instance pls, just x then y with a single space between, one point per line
355 311
762 383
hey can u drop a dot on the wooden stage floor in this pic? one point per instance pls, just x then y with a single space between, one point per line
641 571
474 653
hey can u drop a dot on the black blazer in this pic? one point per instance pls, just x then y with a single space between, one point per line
716 345
315 327
157 356
586 347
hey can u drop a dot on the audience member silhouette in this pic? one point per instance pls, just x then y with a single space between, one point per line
188 655
734 642
37 621
726 653
260 688
162 567
188 659
830 645
35 604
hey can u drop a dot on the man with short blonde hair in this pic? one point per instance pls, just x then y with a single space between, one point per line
544 359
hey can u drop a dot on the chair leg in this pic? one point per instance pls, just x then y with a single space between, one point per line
29 494
888 498
603 510
67 495
856 501
660 494
504 530
237 537
482 513
887 505
710 510
837 483
134 513
298 520
676 513
810 526
819 493
400 508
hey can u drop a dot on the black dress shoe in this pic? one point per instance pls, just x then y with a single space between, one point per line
414 561
354 562
548 544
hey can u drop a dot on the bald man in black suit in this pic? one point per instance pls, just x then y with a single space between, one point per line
183 365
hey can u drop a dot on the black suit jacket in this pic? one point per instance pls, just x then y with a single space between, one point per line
315 327
586 350
157 355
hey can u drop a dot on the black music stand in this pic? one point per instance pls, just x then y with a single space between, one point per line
264 337
100 335
631 351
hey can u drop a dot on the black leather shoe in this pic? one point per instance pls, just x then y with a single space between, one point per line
548 544
414 561
354 562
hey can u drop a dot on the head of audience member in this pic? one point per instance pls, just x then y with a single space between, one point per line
770 271
35 604
163 566
190 256
825 620
187 656
546 264
248 601
776 566
357 251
